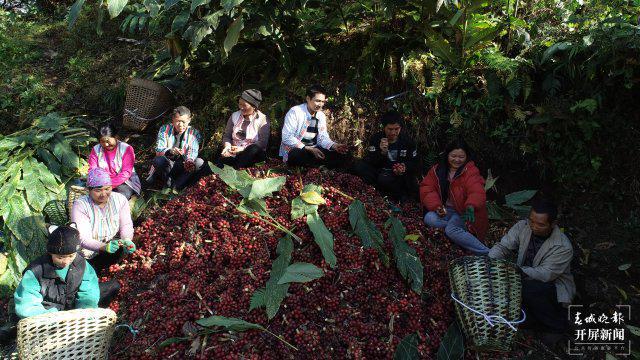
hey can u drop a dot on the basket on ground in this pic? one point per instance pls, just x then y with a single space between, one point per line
145 102
73 334
490 287
74 193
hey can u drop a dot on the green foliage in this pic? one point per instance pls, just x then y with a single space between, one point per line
30 181
407 259
300 273
271 296
323 238
366 230
407 348
452 344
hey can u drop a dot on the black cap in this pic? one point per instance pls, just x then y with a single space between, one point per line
64 240
252 96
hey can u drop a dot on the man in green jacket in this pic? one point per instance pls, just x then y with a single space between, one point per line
544 255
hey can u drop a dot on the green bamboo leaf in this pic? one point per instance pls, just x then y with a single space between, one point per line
300 273
452 344
407 259
115 7
272 295
407 348
323 237
233 34
229 324
366 230
74 12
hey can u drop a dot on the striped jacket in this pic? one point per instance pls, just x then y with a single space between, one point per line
295 125
190 145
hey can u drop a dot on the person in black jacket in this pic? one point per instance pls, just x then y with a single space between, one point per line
391 160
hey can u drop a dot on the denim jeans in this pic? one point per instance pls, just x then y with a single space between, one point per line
454 229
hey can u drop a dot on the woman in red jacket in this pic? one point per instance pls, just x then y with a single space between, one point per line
453 193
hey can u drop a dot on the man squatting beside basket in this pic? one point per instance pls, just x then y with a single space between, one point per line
59 280
544 255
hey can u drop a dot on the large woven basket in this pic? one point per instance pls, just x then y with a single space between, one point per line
74 193
65 335
146 101
492 287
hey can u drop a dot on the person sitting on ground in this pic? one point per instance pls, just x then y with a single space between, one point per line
453 193
101 215
391 159
247 133
305 140
177 162
116 157
544 255
60 280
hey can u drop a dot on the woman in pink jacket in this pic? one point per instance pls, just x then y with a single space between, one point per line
117 158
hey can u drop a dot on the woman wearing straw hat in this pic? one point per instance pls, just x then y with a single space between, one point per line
101 215
116 157
247 133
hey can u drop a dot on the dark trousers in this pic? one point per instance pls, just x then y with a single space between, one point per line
542 308
251 155
125 190
165 168
104 260
400 187
108 291
332 159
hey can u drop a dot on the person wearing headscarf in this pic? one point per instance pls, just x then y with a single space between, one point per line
58 280
247 133
104 221
117 158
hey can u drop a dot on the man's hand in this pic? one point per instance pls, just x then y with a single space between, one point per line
112 246
384 146
315 151
399 168
176 151
340 148
128 246
441 211
469 215
226 152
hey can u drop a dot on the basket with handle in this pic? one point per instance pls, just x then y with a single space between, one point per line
73 194
488 295
146 101
73 334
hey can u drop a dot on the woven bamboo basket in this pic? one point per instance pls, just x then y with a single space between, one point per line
492 287
74 193
56 212
146 101
65 335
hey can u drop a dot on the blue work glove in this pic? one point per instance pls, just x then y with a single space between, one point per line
128 246
469 215
112 246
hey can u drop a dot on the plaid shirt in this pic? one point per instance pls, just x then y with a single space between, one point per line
167 139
